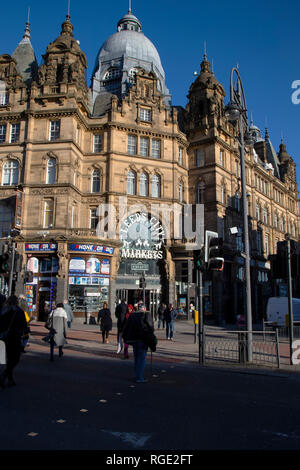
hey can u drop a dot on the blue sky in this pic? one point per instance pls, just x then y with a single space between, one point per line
262 37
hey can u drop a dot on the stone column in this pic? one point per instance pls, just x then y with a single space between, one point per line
62 275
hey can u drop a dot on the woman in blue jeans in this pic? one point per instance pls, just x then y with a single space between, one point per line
133 334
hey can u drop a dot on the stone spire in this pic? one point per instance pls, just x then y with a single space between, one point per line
24 55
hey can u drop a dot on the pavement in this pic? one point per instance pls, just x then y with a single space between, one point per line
83 337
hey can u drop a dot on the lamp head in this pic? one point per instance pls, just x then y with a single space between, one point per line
232 111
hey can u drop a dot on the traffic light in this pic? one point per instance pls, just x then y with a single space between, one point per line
142 282
4 263
214 256
199 263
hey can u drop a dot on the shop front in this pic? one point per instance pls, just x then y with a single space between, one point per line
88 278
42 261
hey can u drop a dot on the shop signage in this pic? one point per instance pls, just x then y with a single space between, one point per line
142 237
87 248
41 247
139 267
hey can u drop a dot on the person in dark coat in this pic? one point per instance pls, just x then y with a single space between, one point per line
133 334
104 318
120 313
13 319
161 315
170 317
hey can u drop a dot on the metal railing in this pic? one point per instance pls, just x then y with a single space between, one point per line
283 331
231 347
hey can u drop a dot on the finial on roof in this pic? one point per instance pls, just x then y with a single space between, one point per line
267 137
26 36
129 9
205 54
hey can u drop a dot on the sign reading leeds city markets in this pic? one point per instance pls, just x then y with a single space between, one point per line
142 237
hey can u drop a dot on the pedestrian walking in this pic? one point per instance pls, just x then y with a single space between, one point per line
57 324
139 332
170 317
24 307
69 312
12 325
104 318
130 309
161 315
120 313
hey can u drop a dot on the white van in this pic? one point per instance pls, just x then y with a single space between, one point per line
278 310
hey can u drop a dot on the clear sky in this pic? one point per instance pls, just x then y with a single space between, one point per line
261 36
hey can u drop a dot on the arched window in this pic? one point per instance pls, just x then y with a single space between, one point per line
96 181
156 186
10 172
131 183
51 171
112 74
143 184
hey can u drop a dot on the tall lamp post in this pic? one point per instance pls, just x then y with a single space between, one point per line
237 111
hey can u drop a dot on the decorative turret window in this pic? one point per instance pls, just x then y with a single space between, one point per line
145 114
112 74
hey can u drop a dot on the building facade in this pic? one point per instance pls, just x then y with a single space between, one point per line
95 179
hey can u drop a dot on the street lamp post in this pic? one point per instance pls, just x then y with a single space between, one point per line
237 111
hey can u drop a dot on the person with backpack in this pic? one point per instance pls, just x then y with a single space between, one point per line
170 317
139 332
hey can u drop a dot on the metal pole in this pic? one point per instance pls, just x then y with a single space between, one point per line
11 269
246 244
290 298
200 315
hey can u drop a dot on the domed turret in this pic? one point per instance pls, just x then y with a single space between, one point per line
119 58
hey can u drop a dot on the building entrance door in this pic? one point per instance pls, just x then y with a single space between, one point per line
133 296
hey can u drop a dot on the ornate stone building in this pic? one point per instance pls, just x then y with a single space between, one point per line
69 151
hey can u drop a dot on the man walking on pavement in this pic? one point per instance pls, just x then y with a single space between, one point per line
170 317
69 312
137 324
